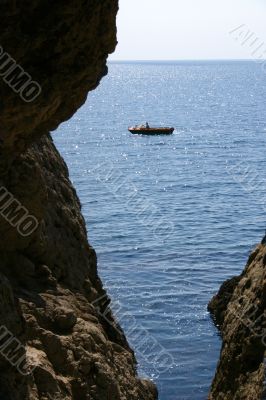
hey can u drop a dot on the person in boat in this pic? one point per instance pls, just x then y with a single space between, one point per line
147 125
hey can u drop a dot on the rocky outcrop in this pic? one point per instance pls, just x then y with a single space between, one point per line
239 310
58 338
63 46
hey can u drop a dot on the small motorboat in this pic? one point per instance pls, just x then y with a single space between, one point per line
148 130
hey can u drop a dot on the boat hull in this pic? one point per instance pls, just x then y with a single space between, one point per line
151 131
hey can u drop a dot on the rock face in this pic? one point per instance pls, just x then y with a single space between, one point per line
239 310
63 46
58 338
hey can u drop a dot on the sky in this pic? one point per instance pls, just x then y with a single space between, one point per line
190 29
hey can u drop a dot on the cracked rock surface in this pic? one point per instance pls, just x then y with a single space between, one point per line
51 297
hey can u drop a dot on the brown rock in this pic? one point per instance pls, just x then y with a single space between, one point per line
65 319
219 302
63 46
240 309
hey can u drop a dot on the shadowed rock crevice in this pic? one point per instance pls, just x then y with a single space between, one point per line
51 297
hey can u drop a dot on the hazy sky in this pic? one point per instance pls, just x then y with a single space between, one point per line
188 29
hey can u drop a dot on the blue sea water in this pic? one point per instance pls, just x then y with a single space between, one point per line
171 217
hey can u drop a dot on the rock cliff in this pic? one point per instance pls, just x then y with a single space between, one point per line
239 311
58 338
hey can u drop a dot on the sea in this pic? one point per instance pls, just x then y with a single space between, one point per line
171 217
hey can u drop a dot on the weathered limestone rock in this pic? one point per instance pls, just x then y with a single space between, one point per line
49 279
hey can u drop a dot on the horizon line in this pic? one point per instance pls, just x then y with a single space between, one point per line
188 59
